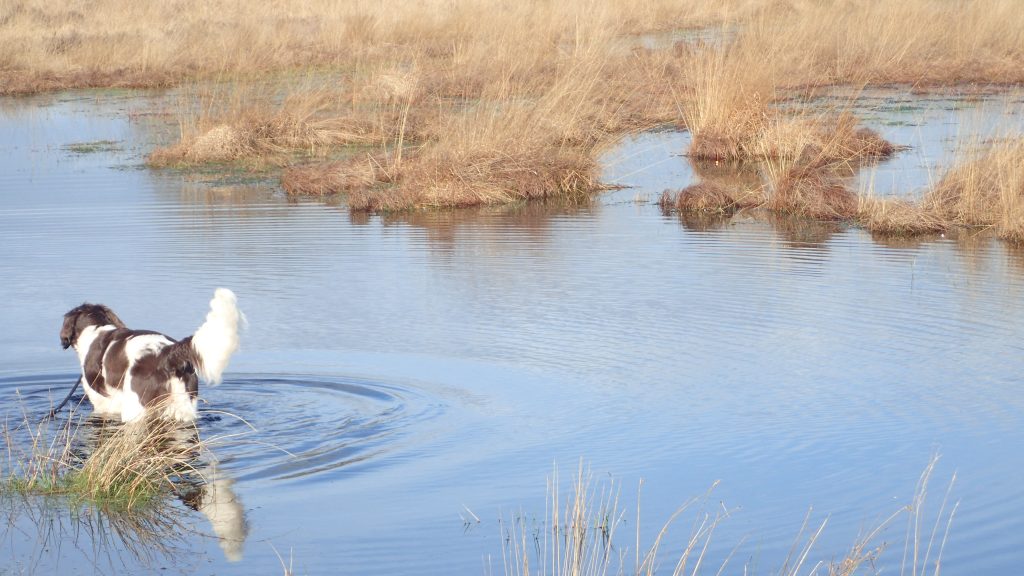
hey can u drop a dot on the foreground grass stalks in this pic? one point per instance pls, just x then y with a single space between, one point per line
129 467
579 537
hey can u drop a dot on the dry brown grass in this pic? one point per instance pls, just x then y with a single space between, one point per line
738 90
712 196
897 217
239 124
464 178
812 193
125 466
472 101
986 190
56 45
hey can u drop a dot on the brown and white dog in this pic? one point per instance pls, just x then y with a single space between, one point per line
129 372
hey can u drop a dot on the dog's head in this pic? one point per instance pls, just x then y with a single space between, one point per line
81 317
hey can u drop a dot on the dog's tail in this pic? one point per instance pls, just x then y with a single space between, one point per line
217 339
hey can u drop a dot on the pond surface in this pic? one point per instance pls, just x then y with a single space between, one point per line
406 381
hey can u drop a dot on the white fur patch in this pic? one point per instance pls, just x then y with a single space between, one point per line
180 406
102 404
217 339
86 338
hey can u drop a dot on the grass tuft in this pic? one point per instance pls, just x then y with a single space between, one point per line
129 466
897 217
812 194
985 190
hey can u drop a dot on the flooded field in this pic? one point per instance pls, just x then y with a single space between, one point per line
407 380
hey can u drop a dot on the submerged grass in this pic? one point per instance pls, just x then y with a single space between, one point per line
579 536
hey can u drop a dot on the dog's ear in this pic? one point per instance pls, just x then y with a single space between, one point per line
69 331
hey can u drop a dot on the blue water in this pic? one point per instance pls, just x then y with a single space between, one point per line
403 377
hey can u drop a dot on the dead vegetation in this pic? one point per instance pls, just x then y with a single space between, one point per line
984 191
435 103
119 467
897 217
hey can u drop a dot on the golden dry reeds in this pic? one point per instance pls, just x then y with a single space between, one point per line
59 45
986 190
812 193
897 217
472 101
711 197
135 464
523 138
246 125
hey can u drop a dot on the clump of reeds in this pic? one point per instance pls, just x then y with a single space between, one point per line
255 129
360 172
579 535
808 159
710 197
135 464
897 217
813 194
986 190
128 466
473 178
811 140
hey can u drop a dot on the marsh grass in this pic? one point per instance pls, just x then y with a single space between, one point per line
479 102
244 124
93 147
984 191
128 466
579 536
897 217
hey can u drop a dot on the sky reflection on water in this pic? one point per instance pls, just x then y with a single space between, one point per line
423 364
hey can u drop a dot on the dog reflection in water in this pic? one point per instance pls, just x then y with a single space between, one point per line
215 498
182 460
